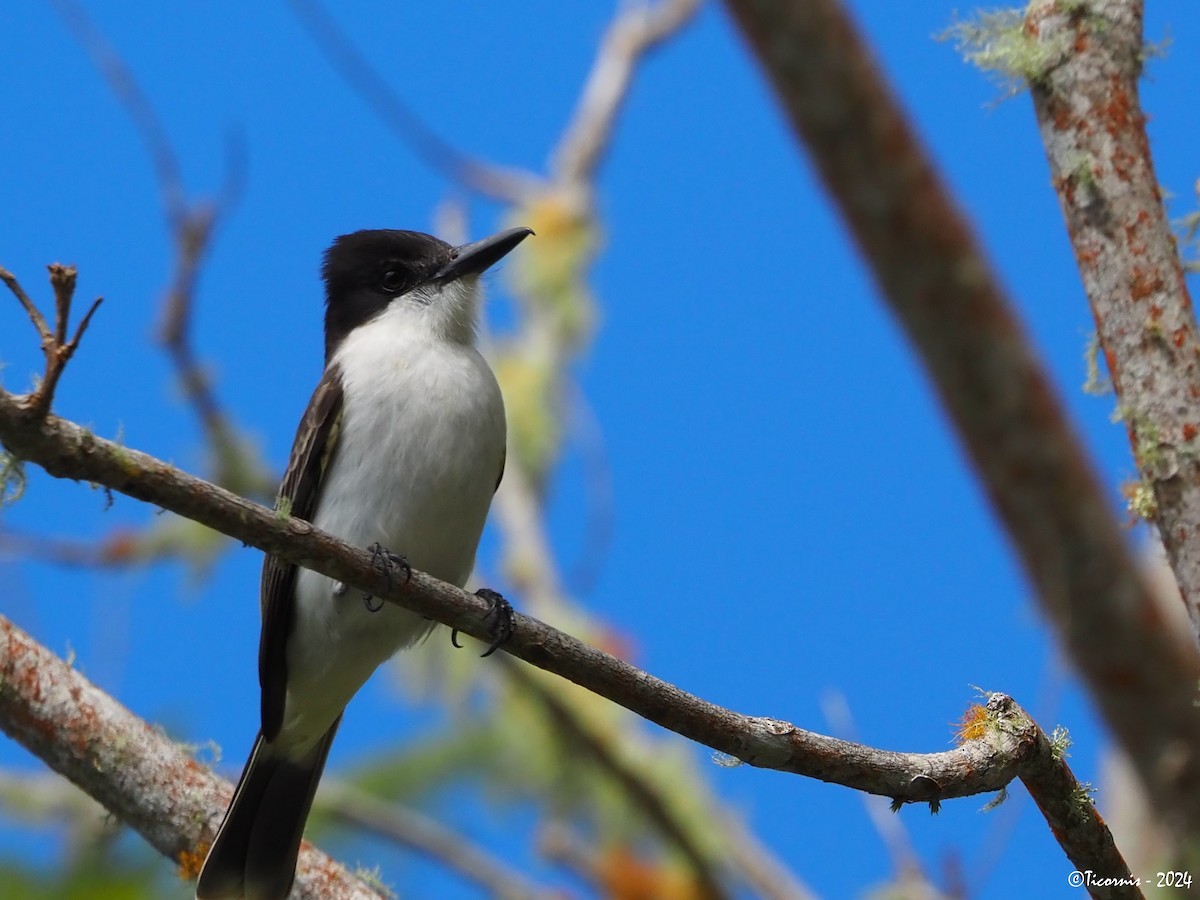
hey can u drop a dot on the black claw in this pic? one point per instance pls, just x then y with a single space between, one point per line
387 562
501 612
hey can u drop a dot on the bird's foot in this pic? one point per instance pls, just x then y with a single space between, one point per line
387 562
500 612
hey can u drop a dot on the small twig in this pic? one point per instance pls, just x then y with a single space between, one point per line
31 310
410 829
55 346
499 183
636 30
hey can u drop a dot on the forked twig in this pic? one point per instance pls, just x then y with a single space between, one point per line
55 346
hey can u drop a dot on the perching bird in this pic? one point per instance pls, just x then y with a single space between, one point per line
401 447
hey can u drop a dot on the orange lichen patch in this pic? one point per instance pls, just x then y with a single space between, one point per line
1190 431
190 862
625 877
1179 336
1086 256
1117 109
1062 116
973 724
1146 284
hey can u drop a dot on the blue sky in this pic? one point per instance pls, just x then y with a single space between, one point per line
791 514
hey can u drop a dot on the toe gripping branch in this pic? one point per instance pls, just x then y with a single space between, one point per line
387 562
500 614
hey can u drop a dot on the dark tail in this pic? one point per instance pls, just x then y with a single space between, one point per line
254 855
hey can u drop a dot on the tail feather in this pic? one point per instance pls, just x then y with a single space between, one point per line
254 854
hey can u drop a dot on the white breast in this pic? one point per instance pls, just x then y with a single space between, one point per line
419 450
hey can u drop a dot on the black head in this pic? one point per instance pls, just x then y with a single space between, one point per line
367 270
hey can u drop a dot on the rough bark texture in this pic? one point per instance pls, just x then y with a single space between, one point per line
935 278
146 779
1094 131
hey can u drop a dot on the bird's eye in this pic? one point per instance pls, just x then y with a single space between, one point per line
392 280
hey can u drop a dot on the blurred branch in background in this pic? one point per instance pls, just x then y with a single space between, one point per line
232 457
405 827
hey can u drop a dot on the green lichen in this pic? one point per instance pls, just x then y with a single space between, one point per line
1000 797
1095 383
1081 800
12 479
998 42
1140 501
374 877
1060 743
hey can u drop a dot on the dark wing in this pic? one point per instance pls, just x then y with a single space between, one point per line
312 450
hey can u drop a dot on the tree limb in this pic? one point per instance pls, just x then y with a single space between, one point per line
1094 131
129 766
986 762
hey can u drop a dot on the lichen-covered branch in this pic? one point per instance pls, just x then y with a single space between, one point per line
1094 130
132 768
937 281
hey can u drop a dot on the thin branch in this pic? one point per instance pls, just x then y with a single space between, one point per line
138 106
410 829
938 282
503 184
760 868
1066 804
128 765
985 763
577 737
584 572
889 827
31 310
119 549
637 30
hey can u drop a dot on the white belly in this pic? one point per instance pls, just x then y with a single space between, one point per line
423 426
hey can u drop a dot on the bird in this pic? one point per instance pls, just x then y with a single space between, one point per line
401 449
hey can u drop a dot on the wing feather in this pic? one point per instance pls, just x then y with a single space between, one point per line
313 449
